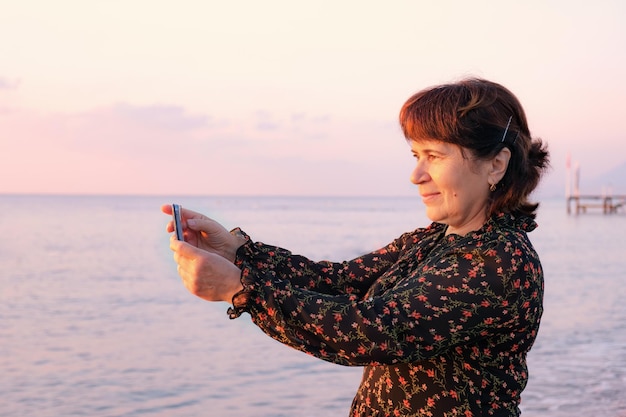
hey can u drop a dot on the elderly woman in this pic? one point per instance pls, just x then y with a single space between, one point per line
441 318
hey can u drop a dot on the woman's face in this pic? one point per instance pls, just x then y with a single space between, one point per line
454 189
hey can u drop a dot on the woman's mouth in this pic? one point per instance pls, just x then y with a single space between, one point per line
428 197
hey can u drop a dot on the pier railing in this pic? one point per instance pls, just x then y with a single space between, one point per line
608 203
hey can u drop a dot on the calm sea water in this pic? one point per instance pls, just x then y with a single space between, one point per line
95 322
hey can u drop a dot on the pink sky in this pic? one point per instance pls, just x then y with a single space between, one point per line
279 97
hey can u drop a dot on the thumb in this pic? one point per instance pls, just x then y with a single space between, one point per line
203 225
185 250
196 224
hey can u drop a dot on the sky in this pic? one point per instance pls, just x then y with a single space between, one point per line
286 97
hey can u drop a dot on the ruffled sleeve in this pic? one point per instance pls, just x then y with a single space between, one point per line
260 262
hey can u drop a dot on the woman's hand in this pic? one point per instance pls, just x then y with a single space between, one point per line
205 233
205 274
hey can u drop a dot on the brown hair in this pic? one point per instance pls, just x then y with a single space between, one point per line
482 117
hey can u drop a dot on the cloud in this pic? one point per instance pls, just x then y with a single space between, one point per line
161 117
265 122
157 149
7 87
291 130
163 149
5 84
140 132
121 148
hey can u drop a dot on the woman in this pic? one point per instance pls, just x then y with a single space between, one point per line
443 316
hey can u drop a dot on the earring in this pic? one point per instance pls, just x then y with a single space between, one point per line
492 187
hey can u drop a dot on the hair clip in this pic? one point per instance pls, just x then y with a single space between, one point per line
506 130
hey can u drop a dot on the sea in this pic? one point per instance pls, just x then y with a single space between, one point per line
94 320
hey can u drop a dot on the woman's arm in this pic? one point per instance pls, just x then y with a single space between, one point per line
333 278
452 300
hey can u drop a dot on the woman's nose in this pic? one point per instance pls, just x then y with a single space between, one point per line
419 174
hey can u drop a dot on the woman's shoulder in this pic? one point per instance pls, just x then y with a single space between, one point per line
506 233
514 221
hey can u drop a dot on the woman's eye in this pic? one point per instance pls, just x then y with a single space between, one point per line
427 157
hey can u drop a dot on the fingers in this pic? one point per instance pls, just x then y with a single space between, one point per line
187 264
184 253
205 274
181 248
197 271
169 227
186 214
167 209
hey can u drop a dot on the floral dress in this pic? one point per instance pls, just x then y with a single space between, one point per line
441 324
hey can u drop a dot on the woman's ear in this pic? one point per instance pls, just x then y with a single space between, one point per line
498 165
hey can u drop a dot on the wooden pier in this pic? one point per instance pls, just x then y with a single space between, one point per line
607 203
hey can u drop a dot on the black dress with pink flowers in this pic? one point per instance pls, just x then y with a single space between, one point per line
441 324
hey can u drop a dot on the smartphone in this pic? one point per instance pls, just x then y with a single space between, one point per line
178 222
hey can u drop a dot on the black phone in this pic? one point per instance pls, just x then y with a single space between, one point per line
178 222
